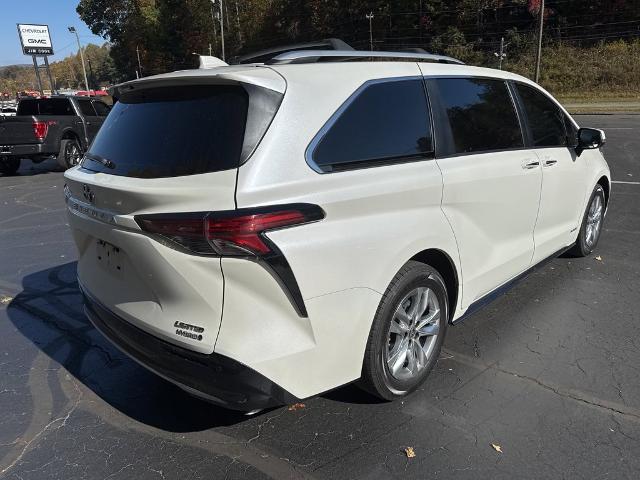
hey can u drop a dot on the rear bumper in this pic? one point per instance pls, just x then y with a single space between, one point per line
213 377
27 150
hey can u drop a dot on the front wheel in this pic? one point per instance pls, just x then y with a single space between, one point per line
407 332
591 224
9 165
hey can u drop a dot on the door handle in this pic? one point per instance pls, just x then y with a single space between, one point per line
531 164
550 163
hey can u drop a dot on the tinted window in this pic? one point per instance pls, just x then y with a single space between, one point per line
86 109
166 132
386 120
474 115
101 109
46 106
545 119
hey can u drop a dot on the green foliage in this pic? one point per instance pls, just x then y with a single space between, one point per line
67 73
580 48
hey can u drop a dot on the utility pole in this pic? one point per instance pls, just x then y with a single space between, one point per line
501 55
84 70
138 55
215 29
369 17
221 18
539 53
238 23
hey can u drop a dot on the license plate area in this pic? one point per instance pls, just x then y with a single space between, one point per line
109 256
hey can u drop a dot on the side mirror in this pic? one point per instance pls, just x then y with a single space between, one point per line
590 138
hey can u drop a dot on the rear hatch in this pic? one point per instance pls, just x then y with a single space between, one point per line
171 145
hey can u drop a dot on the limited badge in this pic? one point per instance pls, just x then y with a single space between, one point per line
189 331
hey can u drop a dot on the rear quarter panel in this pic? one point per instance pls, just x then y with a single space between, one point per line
376 220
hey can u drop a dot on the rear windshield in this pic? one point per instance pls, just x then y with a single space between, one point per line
169 132
46 106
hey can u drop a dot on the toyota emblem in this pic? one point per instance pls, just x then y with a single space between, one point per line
88 194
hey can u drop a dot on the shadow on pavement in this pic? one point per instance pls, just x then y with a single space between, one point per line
49 313
30 169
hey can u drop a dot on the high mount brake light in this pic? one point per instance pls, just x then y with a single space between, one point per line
40 129
233 233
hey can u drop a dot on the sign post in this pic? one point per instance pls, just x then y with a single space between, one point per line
36 41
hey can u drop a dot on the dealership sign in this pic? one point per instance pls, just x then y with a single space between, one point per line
35 39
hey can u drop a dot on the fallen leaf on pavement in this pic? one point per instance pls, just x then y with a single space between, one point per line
409 452
497 447
296 406
599 258
4 299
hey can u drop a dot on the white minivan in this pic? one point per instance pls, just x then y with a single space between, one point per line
258 234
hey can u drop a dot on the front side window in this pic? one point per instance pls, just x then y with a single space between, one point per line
545 118
474 115
385 121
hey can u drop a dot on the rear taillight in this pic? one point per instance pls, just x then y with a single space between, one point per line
238 232
40 129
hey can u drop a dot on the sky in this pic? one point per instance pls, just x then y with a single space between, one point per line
58 14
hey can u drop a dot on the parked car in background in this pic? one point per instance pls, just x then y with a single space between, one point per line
59 126
260 234
8 111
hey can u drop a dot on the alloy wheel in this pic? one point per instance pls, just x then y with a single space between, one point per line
73 154
413 333
594 221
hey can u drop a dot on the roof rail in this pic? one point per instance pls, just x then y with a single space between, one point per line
313 56
268 54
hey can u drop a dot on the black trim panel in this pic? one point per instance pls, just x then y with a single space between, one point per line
217 378
504 288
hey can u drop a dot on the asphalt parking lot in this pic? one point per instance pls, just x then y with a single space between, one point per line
550 373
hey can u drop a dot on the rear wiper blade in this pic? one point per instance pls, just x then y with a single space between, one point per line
97 158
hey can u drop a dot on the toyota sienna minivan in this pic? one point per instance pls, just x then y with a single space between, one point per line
258 234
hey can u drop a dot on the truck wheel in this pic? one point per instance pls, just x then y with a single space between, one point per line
9 165
70 153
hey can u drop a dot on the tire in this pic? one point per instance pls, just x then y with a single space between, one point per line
70 153
591 227
9 165
392 332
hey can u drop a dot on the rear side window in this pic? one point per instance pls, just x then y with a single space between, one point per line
85 108
166 132
46 106
545 118
385 121
474 115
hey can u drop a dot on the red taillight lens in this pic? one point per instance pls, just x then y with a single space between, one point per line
228 233
40 129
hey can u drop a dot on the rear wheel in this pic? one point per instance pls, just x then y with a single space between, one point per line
407 332
70 153
591 224
9 165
